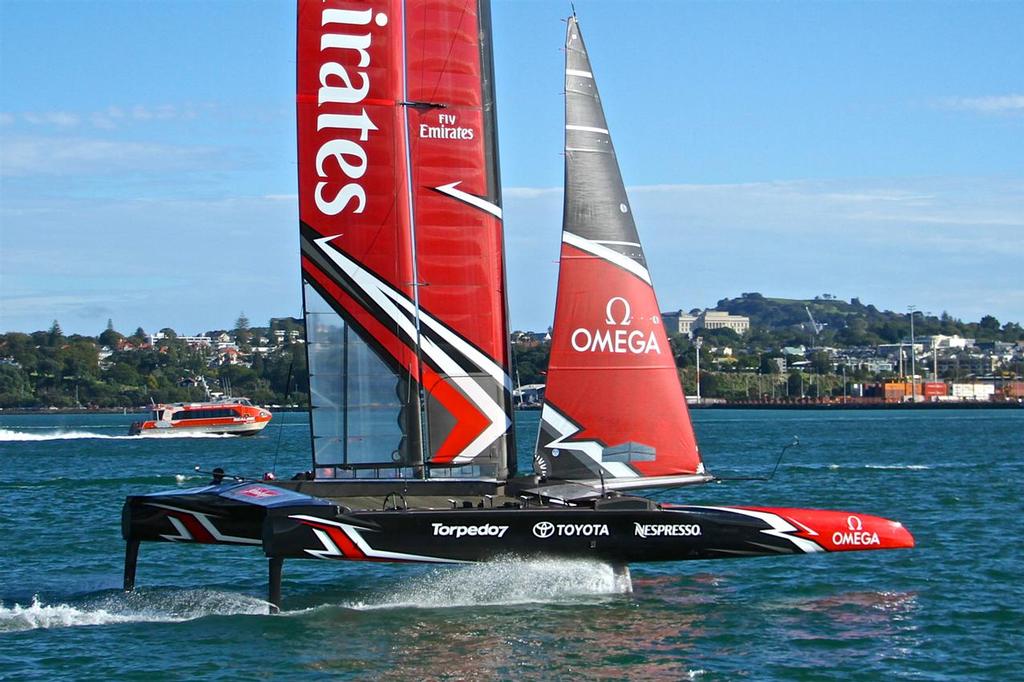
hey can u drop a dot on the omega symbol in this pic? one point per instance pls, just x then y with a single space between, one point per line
609 312
854 523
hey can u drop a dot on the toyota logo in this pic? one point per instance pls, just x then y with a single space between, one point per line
544 529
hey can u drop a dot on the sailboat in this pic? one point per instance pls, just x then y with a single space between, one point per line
407 334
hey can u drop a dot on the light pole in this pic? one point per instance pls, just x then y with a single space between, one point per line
913 371
697 343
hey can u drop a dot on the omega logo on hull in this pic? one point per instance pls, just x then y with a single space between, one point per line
855 535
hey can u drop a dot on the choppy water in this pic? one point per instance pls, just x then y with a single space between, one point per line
953 608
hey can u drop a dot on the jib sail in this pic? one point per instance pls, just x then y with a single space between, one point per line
401 239
614 408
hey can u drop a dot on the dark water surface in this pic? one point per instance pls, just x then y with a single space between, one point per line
953 608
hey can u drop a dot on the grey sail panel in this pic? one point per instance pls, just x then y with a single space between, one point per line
596 205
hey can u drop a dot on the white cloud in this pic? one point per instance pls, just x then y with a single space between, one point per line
993 104
28 156
58 119
940 243
146 262
110 118
529 192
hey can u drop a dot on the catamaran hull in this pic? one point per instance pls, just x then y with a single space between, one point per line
301 526
619 537
230 429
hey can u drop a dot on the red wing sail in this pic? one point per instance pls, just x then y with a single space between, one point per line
401 240
614 407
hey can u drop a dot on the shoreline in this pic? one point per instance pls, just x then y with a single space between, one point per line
964 405
108 410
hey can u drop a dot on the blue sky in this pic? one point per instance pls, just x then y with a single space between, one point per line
876 150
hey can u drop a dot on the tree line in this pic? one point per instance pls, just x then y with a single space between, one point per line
48 368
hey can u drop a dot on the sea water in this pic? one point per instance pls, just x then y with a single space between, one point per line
952 608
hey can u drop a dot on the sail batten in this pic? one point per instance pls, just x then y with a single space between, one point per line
614 409
401 239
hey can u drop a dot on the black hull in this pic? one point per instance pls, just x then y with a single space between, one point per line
364 523
390 527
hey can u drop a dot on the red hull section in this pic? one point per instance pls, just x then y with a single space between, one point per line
839 531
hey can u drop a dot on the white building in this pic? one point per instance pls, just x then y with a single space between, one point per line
943 341
719 319
972 391
680 322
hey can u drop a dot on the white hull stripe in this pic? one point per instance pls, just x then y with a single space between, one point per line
590 246
576 72
587 129
471 199
780 528
393 304
204 520
352 533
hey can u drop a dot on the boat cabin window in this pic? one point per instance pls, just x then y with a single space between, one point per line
205 413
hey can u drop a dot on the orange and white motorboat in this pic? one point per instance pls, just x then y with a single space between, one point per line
233 416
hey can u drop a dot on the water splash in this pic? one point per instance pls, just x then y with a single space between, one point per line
504 582
152 607
6 435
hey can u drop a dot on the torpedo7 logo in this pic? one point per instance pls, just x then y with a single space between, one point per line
486 529
616 335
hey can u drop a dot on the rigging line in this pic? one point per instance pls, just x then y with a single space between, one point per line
778 461
422 423
451 49
280 426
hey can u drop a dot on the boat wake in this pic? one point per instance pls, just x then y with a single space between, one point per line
503 582
886 467
7 435
138 607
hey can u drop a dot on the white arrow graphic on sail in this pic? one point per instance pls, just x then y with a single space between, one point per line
471 199
592 449
393 303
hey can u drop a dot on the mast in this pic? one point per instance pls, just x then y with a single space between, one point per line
402 244
614 409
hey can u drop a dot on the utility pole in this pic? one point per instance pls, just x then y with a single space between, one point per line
697 343
913 370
